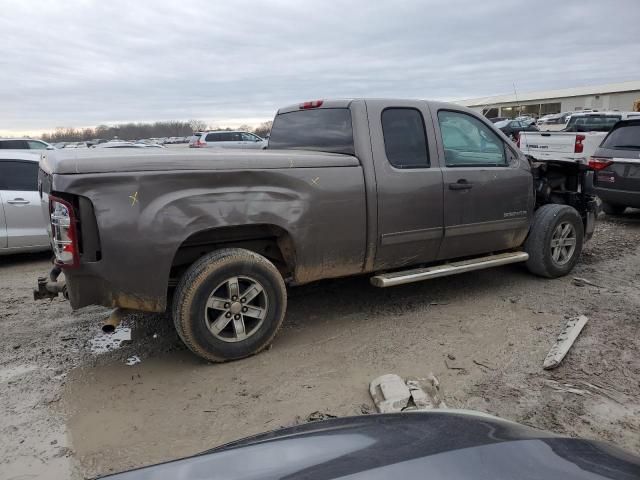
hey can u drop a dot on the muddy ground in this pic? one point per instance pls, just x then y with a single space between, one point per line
67 412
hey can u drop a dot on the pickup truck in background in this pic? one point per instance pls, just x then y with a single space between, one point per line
577 141
401 190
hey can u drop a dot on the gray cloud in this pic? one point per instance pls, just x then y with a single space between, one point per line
82 63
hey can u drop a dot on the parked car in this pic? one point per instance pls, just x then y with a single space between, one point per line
24 144
346 187
23 228
498 119
194 139
577 142
452 444
555 122
512 128
225 139
616 165
120 144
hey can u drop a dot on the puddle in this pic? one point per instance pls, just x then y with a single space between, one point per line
7 373
107 342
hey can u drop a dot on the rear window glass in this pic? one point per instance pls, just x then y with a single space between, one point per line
592 123
323 129
18 175
624 137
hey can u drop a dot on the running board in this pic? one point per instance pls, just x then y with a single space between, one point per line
453 268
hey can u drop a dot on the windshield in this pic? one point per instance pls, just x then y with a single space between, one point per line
592 123
625 136
324 130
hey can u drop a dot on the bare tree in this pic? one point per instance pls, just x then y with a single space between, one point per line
264 129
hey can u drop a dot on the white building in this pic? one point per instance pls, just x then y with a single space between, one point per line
616 96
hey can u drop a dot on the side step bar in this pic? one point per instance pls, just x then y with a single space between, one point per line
418 274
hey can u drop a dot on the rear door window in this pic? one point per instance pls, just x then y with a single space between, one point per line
214 137
468 142
405 141
13 144
18 175
322 129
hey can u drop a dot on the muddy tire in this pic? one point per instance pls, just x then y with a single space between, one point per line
611 209
555 240
229 305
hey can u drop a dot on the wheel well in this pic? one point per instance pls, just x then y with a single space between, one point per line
270 241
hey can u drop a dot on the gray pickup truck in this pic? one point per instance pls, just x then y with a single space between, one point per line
402 190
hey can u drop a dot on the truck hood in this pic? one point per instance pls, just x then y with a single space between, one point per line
139 160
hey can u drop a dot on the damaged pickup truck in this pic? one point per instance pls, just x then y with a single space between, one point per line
402 190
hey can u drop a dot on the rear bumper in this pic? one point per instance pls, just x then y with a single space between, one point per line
85 289
623 198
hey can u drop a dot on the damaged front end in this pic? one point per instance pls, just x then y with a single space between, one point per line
565 183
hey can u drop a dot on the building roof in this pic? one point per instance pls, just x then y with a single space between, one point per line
550 94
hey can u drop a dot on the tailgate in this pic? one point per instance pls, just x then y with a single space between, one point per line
549 145
622 174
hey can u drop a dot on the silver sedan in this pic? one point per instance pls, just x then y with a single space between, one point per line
23 227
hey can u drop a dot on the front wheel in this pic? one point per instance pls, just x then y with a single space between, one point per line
555 240
229 304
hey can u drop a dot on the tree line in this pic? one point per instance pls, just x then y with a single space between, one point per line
136 131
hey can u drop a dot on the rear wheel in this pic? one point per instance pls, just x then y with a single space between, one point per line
229 305
555 240
611 209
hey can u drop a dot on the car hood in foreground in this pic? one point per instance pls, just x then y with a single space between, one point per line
434 445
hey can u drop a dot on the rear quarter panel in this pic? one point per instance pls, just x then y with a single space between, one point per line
144 217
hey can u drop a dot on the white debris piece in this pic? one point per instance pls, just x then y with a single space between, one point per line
564 342
392 394
389 393
105 342
133 360
419 397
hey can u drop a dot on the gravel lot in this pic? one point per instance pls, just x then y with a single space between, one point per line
67 412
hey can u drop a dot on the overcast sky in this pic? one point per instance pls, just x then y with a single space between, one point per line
84 63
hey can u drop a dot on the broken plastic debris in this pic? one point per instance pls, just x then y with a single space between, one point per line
133 360
391 394
105 342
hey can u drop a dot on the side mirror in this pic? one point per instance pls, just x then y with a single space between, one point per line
51 147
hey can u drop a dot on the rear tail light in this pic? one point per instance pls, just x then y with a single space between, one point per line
200 143
64 233
518 140
598 163
312 104
579 146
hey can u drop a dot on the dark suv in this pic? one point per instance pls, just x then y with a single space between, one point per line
616 163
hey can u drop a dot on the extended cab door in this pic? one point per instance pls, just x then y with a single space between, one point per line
25 224
488 191
409 183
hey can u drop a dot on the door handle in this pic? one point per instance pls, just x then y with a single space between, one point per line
18 201
461 184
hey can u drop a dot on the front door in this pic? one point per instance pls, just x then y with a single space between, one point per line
409 184
488 193
25 224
